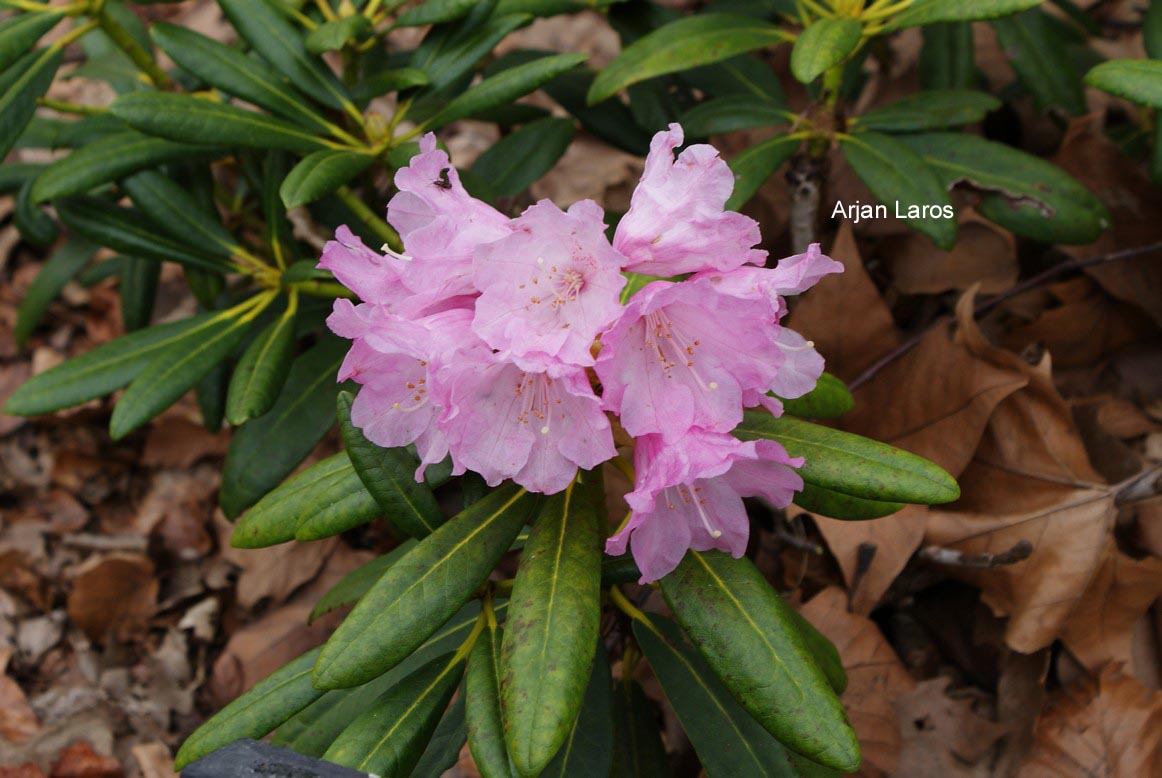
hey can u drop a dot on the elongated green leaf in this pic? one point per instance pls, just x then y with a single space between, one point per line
754 166
20 86
235 73
554 616
35 226
1039 55
127 231
434 12
388 474
193 120
139 278
932 11
21 32
422 590
637 746
901 181
824 652
174 371
507 86
682 44
109 159
98 372
276 39
851 464
265 450
210 392
588 750
394 80
485 722
748 637
743 76
334 35
933 109
823 45
44 133
1152 31
15 175
727 739
829 399
1023 193
320 174
356 583
522 157
341 504
450 51
65 263
272 701
609 120
447 741
947 59
175 210
262 371
390 737
727 114
838 505
1133 79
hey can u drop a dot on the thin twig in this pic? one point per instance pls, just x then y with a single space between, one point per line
950 557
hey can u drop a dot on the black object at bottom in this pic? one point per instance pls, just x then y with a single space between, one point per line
251 759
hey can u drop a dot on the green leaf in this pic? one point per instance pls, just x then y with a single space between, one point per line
929 110
1022 193
139 278
109 159
932 11
334 35
1152 30
34 225
749 638
727 739
838 505
269 703
21 32
395 80
588 750
422 590
390 736
449 52
388 474
823 45
637 745
127 231
264 27
522 157
444 747
20 86
485 724
321 173
682 44
852 464
210 392
235 73
14 175
947 59
434 12
900 180
609 120
174 209
727 114
1137 80
830 398
554 615
175 370
824 652
507 86
754 166
98 372
1040 56
265 450
743 76
356 583
191 119
65 263
262 371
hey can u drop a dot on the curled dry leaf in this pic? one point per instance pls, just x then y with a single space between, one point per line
79 760
942 735
154 760
18 722
272 573
113 596
984 254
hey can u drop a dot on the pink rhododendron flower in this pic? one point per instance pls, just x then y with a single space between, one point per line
676 222
688 494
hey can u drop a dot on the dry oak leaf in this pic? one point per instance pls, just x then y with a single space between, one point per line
18 722
79 760
113 596
1111 727
875 678
942 735
272 573
984 254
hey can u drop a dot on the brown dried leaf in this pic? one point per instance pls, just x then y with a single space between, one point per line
79 760
271 573
154 760
18 722
177 442
942 735
113 596
984 254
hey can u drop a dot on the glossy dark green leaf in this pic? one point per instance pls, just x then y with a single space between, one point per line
727 114
389 475
929 110
824 652
139 278
852 464
830 398
507 86
1139 81
422 590
443 751
192 120
932 11
485 722
175 370
265 450
1152 30
210 392
637 745
450 51
20 33
65 263
34 225
434 12
109 159
838 505
822 45
1023 193
261 371
609 120
619 570
900 180
754 166
947 59
522 157
685 43
15 175
340 504
98 372
554 614
1039 55
321 173
268 704
334 35
387 81
273 36
174 210
20 85
748 637
356 583
588 750
746 75
390 736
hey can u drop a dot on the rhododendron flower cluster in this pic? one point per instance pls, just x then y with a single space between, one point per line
506 344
